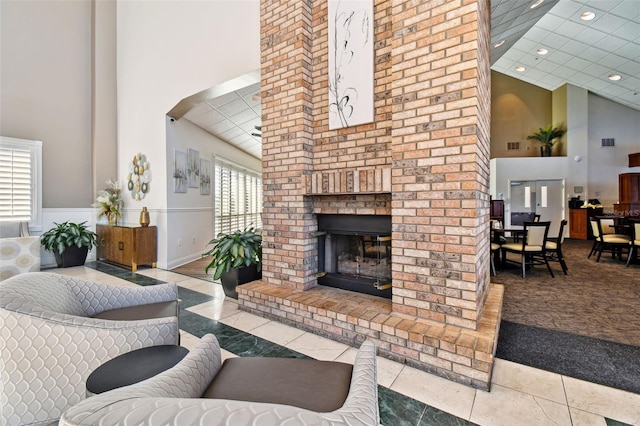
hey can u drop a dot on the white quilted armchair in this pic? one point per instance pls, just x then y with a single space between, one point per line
174 398
53 334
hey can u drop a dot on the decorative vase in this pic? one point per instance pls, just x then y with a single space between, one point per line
545 151
113 219
144 217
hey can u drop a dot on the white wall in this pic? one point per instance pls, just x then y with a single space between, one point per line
609 119
190 215
45 91
168 50
506 170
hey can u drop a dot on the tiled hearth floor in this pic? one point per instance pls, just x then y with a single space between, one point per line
520 395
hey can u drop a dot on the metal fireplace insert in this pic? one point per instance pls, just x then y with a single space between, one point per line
354 253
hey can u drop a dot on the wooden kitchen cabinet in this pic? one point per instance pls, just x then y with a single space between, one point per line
128 245
579 226
628 195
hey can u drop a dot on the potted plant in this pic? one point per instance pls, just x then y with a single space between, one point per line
546 136
69 242
236 259
110 202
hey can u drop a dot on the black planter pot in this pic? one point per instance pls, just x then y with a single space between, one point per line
72 256
545 151
237 276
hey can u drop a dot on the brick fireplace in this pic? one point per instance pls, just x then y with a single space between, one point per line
423 162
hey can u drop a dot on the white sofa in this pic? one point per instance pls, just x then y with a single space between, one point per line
174 398
52 338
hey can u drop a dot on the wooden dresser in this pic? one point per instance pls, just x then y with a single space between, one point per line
128 245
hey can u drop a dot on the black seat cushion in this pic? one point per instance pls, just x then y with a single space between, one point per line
320 386
141 312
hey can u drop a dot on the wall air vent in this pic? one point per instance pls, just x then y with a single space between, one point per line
608 142
513 146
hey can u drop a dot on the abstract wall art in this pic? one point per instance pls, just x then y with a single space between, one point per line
351 65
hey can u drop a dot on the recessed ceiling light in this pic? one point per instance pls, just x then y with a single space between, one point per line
587 16
520 68
542 51
536 4
500 43
614 77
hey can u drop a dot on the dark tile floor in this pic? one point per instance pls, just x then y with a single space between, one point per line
395 408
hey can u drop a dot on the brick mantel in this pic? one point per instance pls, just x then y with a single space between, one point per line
424 161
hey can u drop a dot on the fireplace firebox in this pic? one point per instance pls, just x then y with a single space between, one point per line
354 253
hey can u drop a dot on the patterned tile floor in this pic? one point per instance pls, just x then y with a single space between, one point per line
520 395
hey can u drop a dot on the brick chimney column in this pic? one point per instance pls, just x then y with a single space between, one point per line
440 150
289 251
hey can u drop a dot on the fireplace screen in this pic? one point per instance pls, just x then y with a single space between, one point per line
355 258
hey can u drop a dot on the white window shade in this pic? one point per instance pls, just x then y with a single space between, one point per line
238 198
20 180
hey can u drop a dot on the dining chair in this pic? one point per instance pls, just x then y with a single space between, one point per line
532 249
554 247
613 242
634 243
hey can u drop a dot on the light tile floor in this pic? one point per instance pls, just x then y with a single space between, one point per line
520 395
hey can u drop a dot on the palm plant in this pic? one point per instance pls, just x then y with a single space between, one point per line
547 135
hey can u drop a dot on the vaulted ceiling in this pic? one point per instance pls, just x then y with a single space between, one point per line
548 45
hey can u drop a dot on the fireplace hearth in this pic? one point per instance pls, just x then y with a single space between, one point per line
354 253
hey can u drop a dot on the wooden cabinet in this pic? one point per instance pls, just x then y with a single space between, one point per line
628 195
579 226
128 246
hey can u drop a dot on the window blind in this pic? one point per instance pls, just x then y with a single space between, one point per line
16 184
238 198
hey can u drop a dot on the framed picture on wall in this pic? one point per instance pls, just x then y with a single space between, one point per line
205 177
350 62
193 172
180 165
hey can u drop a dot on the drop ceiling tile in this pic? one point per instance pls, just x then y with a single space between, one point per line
556 41
242 138
630 51
599 83
546 66
595 70
565 72
614 61
592 36
630 31
223 99
249 90
231 133
232 108
631 83
554 81
581 79
604 5
577 64
209 119
559 57
220 127
197 110
566 8
243 116
617 90
575 47
250 126
629 68
567 28
594 54
627 9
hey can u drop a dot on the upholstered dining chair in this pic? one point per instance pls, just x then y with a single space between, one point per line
613 242
554 247
634 243
56 330
532 249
